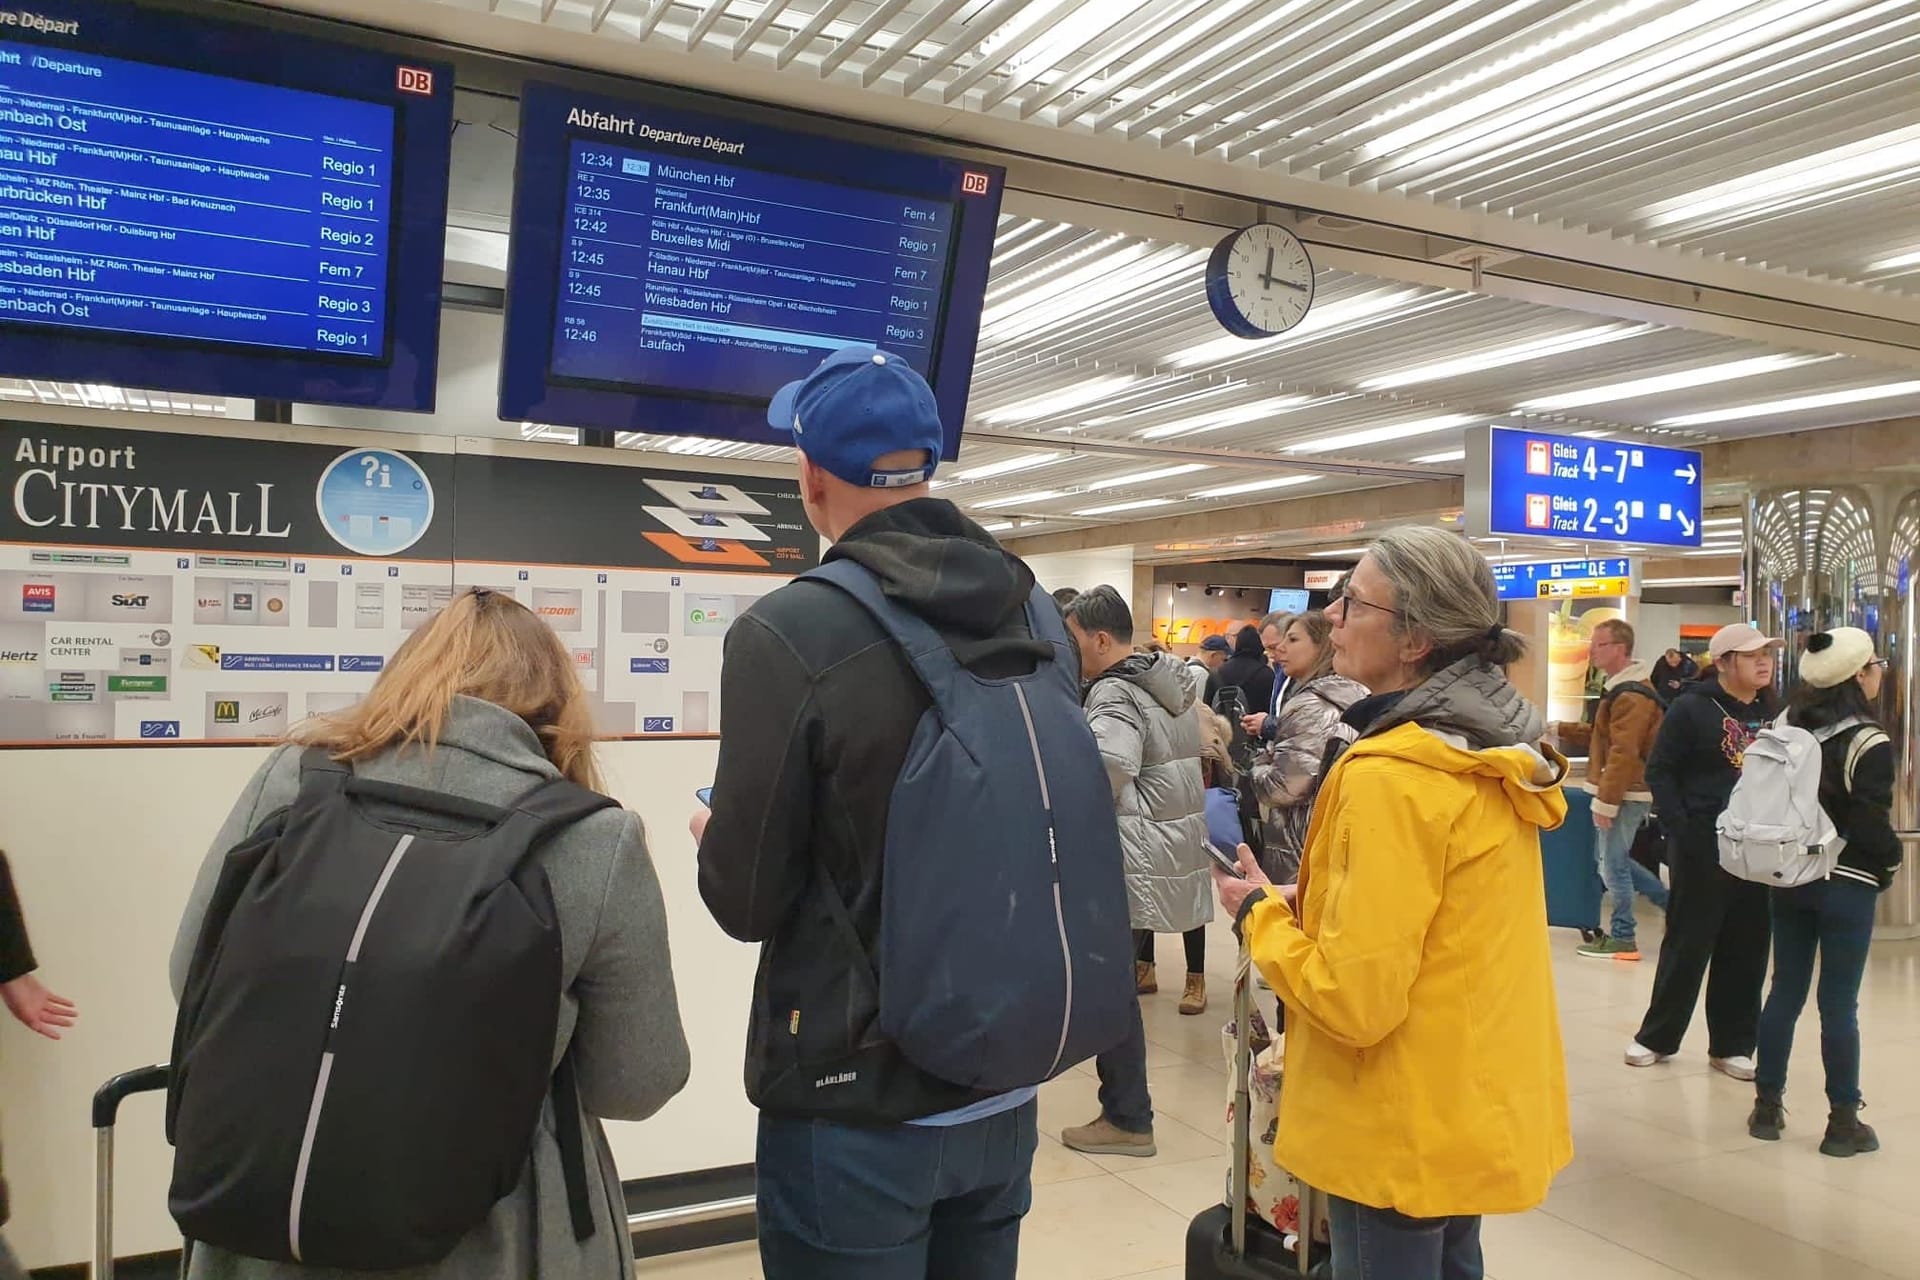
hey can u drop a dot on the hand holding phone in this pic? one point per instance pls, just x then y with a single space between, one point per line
1227 862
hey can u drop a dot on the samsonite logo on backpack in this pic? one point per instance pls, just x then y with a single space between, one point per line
365 1041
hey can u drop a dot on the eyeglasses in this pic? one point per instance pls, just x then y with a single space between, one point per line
1346 600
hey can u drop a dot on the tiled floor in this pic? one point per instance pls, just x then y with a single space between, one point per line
1666 1184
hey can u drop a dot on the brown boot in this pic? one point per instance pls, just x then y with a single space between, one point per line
1195 999
1104 1138
1144 981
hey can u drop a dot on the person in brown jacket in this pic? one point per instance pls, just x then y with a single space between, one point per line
1624 727
38 1009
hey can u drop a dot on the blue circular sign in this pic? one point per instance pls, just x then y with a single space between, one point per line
375 502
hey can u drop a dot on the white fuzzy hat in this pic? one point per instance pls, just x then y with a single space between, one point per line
1835 657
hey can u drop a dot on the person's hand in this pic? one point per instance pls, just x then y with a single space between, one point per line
1234 892
1255 724
1604 821
698 826
38 1009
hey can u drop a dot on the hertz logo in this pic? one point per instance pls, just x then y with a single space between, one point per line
19 655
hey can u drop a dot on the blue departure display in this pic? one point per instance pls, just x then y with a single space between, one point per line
715 279
145 199
1540 485
1534 581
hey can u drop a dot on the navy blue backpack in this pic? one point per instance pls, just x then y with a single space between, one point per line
1005 953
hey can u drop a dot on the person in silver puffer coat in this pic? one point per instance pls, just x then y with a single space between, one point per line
1141 709
1287 773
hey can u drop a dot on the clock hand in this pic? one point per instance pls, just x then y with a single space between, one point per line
1266 277
1297 288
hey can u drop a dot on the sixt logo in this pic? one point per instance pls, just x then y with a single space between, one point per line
131 602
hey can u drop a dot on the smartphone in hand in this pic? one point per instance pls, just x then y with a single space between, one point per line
1227 862
705 796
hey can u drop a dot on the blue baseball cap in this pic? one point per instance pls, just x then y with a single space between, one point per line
860 405
1216 644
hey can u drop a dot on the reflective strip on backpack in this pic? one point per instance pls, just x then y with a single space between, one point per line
1053 855
300 1168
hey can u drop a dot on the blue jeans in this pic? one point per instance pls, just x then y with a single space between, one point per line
1623 876
1379 1244
1124 1099
897 1202
1833 918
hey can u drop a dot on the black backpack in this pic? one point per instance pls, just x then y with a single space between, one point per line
365 1041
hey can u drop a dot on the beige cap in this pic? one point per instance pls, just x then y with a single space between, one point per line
1739 638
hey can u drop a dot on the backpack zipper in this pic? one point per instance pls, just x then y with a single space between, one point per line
1053 858
301 1166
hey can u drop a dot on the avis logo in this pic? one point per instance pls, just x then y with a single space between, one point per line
416 80
36 597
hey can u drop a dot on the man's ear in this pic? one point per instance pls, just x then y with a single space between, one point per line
813 481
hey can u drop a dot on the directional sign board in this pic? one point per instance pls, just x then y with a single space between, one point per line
1564 579
1527 484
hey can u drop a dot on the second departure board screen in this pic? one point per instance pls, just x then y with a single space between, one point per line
717 279
145 199
672 266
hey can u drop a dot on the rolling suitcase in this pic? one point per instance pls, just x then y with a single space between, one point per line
1571 870
1224 1242
106 1109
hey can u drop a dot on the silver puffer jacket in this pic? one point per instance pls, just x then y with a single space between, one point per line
1286 777
1141 712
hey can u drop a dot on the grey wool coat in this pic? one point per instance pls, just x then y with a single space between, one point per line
618 1009
1141 713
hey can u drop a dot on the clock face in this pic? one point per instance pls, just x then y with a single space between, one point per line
1260 281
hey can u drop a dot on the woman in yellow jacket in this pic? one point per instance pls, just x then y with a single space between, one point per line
1425 1082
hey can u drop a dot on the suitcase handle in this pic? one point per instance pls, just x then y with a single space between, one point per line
109 1096
106 1109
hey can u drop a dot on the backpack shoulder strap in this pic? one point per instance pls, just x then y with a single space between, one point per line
1867 739
321 775
559 802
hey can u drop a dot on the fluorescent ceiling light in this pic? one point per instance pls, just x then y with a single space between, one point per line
1219 418
1799 404
1897 263
1255 486
1380 435
1116 507
1323 320
998 526
1006 467
1722 522
1020 499
1451 455
1717 551
1883 153
1497 357
1343 554
1060 401
1705 376
1146 477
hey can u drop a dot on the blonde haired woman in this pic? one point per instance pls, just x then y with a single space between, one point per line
484 703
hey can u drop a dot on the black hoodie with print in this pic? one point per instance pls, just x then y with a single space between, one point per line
818 708
1696 760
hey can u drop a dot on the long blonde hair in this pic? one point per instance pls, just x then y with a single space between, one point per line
484 645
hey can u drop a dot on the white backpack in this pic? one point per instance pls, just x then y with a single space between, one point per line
1774 831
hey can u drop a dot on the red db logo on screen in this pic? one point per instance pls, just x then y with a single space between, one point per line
974 184
415 80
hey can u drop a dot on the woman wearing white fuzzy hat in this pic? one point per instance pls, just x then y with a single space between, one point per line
1840 679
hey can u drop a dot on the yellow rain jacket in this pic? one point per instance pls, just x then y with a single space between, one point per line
1424 1066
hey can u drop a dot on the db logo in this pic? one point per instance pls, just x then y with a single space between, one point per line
415 80
974 184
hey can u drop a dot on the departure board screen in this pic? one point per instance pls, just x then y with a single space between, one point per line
672 266
146 199
191 204
720 280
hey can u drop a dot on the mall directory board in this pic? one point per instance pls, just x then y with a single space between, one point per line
192 205
1530 484
673 267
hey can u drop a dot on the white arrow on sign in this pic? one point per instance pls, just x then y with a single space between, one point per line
1686 525
1687 473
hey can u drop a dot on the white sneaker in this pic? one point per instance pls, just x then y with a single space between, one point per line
1638 1055
1734 1068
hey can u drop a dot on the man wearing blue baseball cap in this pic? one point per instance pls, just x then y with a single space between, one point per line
868 1164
